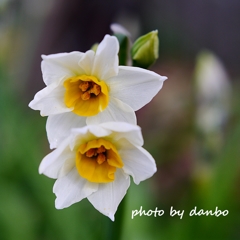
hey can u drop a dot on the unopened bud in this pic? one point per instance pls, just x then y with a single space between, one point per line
94 47
145 50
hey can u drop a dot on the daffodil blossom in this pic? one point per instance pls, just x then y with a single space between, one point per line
95 162
90 88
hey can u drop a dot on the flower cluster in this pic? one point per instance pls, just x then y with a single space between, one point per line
90 102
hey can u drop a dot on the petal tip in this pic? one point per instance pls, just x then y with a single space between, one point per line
111 216
53 143
30 104
40 170
58 205
164 78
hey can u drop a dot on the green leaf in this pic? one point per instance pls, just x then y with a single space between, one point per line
123 51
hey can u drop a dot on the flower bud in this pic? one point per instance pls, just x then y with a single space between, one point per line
94 47
145 50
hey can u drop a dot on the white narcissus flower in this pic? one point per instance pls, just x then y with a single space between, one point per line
90 88
95 162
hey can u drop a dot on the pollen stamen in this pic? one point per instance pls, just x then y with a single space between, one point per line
84 86
91 152
86 96
97 161
101 149
101 158
96 89
89 89
99 154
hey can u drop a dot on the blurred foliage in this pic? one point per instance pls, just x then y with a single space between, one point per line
27 203
123 48
210 185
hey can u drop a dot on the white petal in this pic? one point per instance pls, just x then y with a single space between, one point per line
137 162
50 100
56 67
58 126
135 86
106 58
68 165
116 111
87 133
123 130
86 63
117 28
72 188
109 195
54 161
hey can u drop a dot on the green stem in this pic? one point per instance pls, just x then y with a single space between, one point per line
114 230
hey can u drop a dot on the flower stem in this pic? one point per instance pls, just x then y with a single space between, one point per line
114 230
